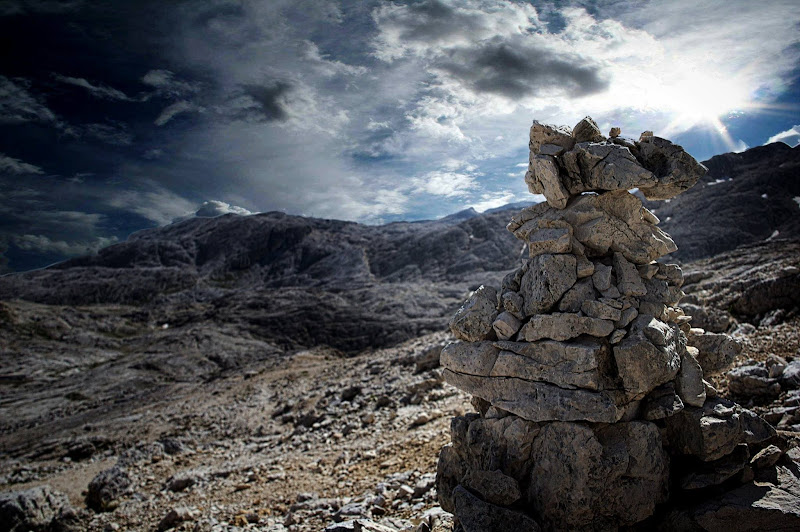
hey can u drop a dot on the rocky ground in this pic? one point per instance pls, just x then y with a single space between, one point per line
311 440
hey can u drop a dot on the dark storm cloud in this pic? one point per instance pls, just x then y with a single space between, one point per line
521 70
269 99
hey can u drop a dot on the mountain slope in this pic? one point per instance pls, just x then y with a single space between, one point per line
744 198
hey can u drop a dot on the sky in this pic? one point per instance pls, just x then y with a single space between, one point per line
121 115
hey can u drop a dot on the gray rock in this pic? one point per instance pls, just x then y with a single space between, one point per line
660 291
564 326
647 271
709 318
35 509
649 356
183 480
359 525
550 236
766 457
428 359
513 303
617 336
573 299
473 358
547 279
612 221
541 134
493 486
771 502
540 401
689 384
626 318
790 378
506 325
715 351
476 515
715 429
753 381
107 487
602 167
543 177
584 267
671 273
661 403
596 309
174 517
597 478
717 471
473 321
583 363
587 131
629 282
602 277
674 169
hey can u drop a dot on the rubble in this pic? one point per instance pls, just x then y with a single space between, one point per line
594 411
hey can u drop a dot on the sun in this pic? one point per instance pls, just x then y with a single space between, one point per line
700 99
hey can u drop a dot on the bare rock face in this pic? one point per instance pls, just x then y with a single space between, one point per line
590 382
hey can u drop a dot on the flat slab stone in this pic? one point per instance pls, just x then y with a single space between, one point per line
539 401
583 363
564 326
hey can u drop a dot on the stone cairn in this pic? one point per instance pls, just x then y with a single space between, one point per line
593 410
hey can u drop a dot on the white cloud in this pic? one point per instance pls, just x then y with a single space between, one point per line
791 136
9 165
153 202
97 89
175 109
43 244
448 184
166 84
492 200
213 208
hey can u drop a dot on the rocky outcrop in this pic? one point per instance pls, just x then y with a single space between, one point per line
594 411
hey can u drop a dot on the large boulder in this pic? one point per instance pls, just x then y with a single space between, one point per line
36 509
597 478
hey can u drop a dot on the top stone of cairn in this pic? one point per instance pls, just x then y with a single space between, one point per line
565 162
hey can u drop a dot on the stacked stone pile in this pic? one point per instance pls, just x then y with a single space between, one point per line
589 380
